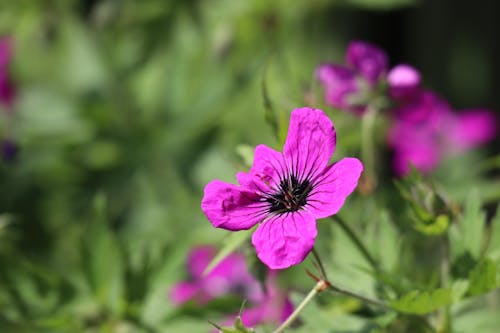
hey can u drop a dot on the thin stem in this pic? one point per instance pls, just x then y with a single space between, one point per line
355 239
320 286
368 142
378 303
320 263
445 267
359 297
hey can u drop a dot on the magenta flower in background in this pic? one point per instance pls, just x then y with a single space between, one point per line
403 81
348 86
9 148
473 127
7 91
274 308
229 276
367 59
339 83
425 130
284 193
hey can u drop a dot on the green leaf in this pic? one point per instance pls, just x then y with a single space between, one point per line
230 243
59 124
384 232
422 302
483 278
245 152
102 259
493 250
269 111
437 227
472 224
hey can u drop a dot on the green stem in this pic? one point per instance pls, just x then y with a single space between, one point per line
445 268
320 286
355 239
320 263
368 142
360 297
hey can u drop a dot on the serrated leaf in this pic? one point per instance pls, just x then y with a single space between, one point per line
230 243
483 278
422 302
472 224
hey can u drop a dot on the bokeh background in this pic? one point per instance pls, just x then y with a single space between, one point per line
124 110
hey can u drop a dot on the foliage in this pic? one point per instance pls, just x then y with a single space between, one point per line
126 109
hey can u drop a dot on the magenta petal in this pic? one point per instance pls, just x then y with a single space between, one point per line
7 90
183 292
339 83
473 128
425 108
198 260
287 310
231 207
369 60
425 158
266 172
234 271
333 187
253 316
403 81
310 142
285 240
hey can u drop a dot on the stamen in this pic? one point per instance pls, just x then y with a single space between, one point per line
291 196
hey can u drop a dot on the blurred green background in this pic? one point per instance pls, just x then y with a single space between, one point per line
126 109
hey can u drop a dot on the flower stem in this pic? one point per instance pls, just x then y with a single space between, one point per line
445 267
368 144
362 298
320 286
355 239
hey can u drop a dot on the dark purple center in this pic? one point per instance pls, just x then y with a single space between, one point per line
292 196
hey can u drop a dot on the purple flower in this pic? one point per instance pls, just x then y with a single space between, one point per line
229 276
284 193
425 130
403 81
274 308
348 86
339 83
473 128
7 91
367 59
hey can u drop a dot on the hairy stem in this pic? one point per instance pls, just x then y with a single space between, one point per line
320 286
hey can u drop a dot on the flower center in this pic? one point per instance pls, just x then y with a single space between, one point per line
291 196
